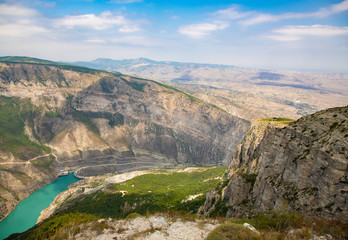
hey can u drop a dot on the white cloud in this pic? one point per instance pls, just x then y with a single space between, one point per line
18 21
323 12
201 30
293 33
232 13
104 21
20 30
333 9
260 18
137 41
129 29
95 40
16 11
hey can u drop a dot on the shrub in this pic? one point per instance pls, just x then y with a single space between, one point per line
278 221
230 231
133 215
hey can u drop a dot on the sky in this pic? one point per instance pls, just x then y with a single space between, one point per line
307 35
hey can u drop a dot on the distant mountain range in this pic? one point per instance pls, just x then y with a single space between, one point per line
141 63
250 93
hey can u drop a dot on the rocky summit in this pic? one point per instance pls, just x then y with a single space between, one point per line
57 116
301 167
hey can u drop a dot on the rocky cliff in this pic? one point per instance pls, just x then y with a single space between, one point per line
301 167
98 122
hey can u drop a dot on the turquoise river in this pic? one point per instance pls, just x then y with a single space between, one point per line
27 211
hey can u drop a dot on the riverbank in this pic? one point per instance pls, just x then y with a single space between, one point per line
25 215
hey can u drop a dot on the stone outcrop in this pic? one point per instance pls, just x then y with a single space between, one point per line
301 167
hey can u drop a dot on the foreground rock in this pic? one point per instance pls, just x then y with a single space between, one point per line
154 228
300 167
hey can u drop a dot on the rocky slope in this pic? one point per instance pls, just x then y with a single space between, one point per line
101 122
301 167
35 93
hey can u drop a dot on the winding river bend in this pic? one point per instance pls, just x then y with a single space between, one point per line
27 211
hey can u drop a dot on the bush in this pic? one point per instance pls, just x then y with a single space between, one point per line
278 221
230 231
133 215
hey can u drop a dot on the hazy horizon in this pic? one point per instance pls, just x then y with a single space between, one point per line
307 36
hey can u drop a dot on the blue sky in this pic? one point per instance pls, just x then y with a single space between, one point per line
307 35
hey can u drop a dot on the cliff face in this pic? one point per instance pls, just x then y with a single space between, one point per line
301 167
99 122
146 115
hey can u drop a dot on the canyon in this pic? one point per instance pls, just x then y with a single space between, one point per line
132 140
97 122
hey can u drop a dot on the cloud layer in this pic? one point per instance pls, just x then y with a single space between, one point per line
180 31
292 33
258 18
103 21
201 30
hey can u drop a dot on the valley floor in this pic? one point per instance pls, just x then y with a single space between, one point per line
162 204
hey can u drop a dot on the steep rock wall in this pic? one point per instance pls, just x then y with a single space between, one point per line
301 167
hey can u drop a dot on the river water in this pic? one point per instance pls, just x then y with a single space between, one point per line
28 211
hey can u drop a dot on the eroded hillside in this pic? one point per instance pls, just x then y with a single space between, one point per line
99 122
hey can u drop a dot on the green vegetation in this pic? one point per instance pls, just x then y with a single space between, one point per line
284 121
24 60
135 85
250 178
164 191
276 224
44 162
333 126
57 227
155 192
133 215
276 221
83 117
79 116
231 231
116 119
192 98
12 136
9 190
52 114
13 171
36 61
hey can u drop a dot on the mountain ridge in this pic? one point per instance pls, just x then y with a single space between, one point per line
105 122
288 94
